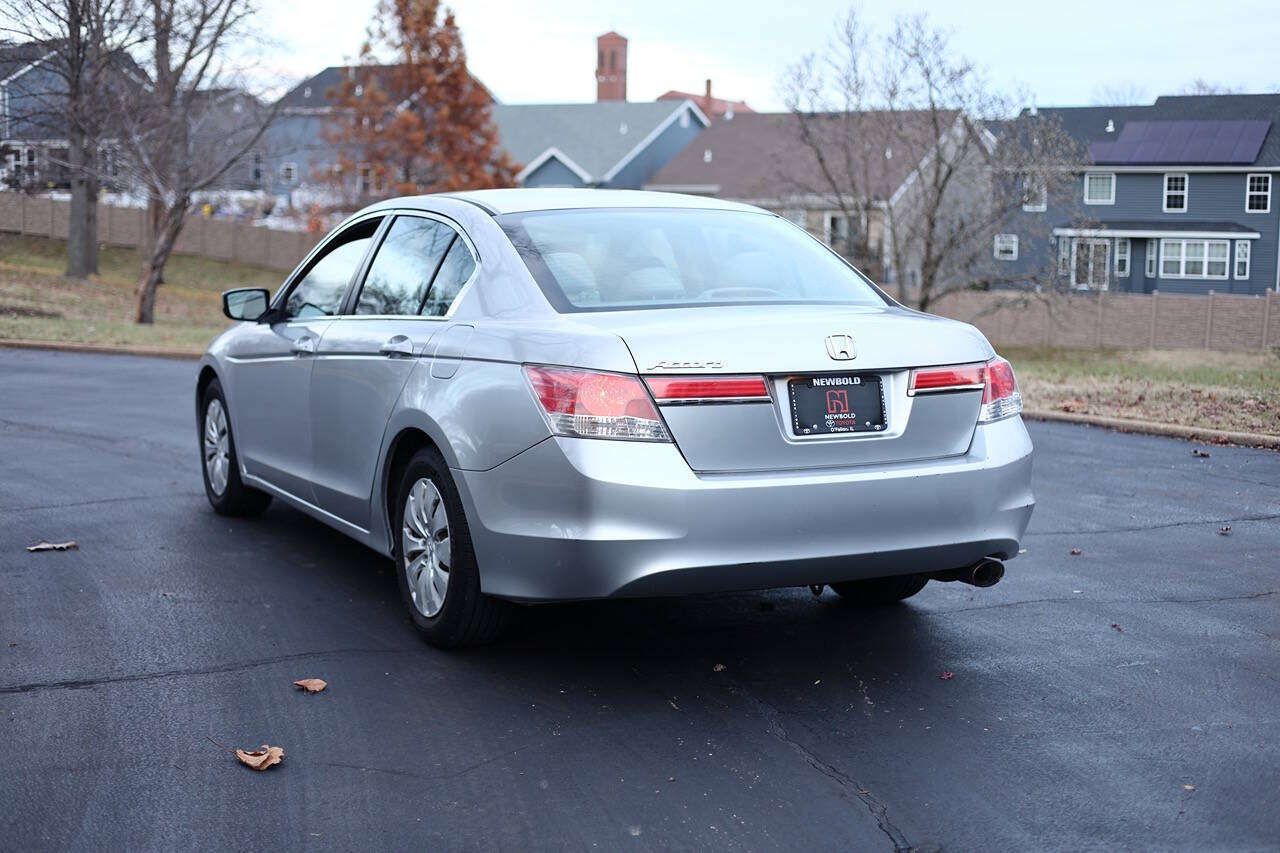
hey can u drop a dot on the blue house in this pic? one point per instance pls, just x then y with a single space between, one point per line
1176 197
612 144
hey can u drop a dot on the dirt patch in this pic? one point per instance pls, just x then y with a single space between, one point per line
27 311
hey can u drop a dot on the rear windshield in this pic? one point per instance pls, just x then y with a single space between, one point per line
615 259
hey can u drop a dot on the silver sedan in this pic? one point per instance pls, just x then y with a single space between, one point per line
534 395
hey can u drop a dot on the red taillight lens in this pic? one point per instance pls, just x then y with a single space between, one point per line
1000 396
691 389
587 404
955 377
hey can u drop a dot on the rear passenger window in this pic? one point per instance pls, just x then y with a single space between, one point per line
402 269
454 272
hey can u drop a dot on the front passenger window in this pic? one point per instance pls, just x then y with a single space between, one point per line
319 293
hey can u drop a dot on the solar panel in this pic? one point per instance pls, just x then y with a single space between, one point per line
1237 141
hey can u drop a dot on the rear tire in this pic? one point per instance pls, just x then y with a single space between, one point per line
435 562
219 464
879 591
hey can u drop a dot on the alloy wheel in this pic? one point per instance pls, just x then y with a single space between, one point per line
217 446
426 548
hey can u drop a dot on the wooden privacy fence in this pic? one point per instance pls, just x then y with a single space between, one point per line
1219 321
220 239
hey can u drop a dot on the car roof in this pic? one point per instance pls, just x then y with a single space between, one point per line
526 200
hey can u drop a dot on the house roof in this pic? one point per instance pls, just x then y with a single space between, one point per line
522 200
594 140
762 156
713 107
1089 125
15 58
315 93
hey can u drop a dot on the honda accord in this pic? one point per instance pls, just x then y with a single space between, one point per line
535 395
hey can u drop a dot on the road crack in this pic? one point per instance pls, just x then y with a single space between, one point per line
1164 526
87 683
878 809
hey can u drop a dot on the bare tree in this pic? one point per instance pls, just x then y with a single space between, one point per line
83 67
193 126
1118 95
1201 86
915 133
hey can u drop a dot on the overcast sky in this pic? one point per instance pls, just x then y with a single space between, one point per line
1064 54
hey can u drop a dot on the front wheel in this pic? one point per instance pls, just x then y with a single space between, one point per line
227 494
439 579
876 591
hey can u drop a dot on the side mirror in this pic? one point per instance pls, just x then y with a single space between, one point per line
245 303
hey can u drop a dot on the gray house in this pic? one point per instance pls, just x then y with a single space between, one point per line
612 144
1177 197
615 144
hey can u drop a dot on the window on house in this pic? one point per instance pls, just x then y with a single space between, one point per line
288 172
1122 257
1242 259
365 176
1194 258
1006 247
1099 188
1035 195
1064 255
838 230
359 91
1175 193
1257 197
795 216
1152 250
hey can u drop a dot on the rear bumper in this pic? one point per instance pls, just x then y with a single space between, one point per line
581 518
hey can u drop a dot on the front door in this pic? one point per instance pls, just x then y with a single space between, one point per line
1091 263
270 368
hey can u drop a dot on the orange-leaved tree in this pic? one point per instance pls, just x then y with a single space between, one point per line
420 124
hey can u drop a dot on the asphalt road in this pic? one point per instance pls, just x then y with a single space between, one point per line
1124 698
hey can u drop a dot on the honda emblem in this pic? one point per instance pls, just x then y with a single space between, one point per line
840 347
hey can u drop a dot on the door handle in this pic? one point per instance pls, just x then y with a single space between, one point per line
305 345
397 345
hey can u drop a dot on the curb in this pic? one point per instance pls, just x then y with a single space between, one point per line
107 349
1213 436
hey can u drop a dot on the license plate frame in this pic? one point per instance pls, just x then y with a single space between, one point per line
836 404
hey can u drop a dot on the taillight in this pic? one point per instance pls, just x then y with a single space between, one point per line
586 404
1000 395
707 389
956 377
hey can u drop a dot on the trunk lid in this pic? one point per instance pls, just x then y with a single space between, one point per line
790 342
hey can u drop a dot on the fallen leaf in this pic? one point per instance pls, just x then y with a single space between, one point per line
1075 552
54 546
311 685
718 668
1117 627
816 683
261 758
1188 787
947 676
1201 454
1224 530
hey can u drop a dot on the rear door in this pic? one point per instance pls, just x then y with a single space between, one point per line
365 358
270 364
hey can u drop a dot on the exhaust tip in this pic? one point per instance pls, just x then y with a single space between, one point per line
986 573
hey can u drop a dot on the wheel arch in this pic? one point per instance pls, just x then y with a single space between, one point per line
405 439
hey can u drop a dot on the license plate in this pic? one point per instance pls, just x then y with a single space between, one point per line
822 405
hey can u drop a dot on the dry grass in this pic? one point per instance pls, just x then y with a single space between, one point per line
1220 390
38 304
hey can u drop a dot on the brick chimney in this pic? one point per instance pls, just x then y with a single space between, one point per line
611 67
